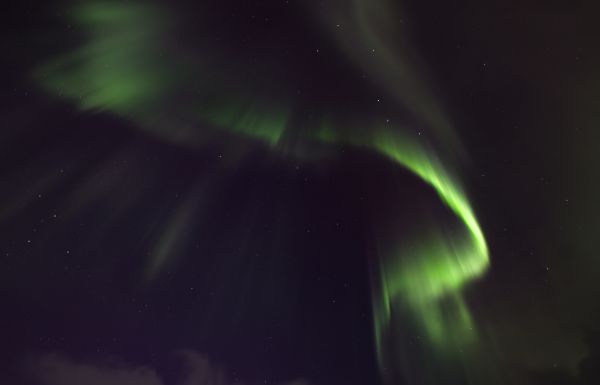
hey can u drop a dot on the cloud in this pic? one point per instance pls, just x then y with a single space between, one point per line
56 369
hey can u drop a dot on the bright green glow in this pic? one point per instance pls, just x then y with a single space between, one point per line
124 66
110 71
428 274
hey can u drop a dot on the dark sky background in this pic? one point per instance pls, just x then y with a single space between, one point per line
269 251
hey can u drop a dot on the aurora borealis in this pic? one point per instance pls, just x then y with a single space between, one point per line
360 192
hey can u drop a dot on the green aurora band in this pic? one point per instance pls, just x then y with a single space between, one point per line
426 275
123 67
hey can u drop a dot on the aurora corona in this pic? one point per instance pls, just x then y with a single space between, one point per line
125 67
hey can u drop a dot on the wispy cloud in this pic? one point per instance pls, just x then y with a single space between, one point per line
53 369
56 369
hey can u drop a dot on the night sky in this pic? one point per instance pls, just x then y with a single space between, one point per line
331 192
